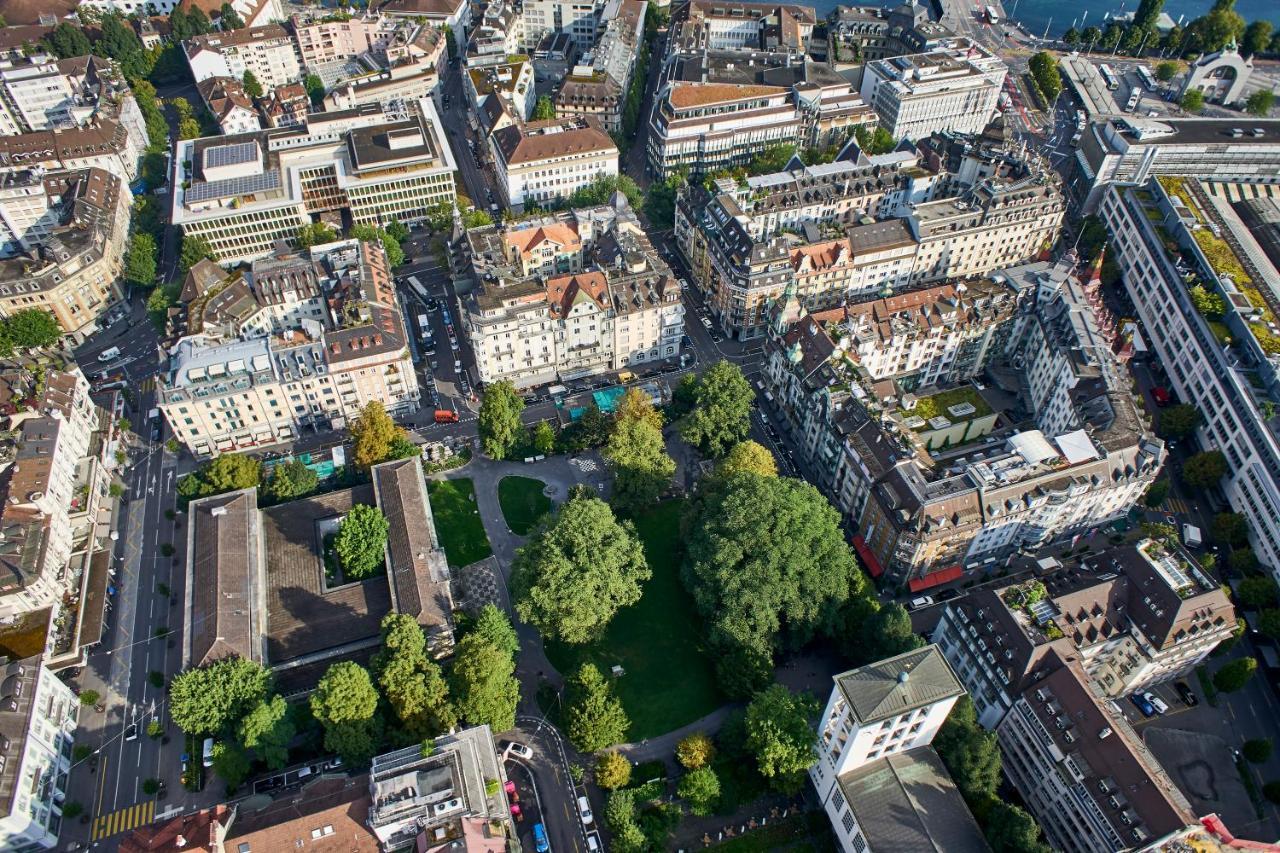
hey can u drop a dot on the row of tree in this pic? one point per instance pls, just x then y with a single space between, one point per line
1210 32
403 697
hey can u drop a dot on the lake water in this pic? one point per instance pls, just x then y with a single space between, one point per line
1035 15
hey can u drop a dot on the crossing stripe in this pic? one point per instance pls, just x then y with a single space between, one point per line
123 820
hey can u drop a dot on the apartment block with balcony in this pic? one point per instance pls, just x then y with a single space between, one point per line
268 51
953 88
571 295
1084 774
362 166
1132 617
880 782
301 342
1171 235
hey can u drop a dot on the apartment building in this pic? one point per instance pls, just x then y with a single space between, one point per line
510 81
715 126
253 12
597 85
955 88
875 768
38 714
100 125
1133 616
739 25
499 34
63 239
1084 774
877 32
1169 235
454 14
578 19
268 51
230 107
1132 150
360 166
858 229
546 161
299 342
34 95
286 106
571 295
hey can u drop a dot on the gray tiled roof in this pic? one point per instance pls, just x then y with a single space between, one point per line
898 684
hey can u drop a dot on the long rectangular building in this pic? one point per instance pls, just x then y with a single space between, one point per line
365 166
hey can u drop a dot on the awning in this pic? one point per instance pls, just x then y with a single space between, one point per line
868 557
935 579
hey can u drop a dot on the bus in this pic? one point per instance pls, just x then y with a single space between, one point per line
993 17
1109 77
1144 74
418 288
540 843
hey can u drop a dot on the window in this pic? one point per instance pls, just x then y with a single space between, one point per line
848 821
859 843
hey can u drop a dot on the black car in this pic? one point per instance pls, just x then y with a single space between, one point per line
1185 693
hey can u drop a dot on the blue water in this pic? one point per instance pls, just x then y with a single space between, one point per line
1036 14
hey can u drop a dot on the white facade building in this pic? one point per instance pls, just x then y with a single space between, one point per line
955 88
708 127
546 161
579 19
268 51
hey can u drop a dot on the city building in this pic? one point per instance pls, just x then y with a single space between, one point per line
362 166
713 126
955 88
598 82
865 33
230 107
546 161
298 342
570 295
286 106
499 34
1171 235
1132 150
252 12
578 19
510 81
1084 774
1132 616
1221 76
738 25
880 782
62 242
450 796
454 14
35 94
858 229
268 51
258 587
37 723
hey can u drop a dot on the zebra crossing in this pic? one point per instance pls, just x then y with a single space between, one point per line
123 820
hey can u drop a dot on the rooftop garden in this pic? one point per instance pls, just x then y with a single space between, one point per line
1177 188
941 403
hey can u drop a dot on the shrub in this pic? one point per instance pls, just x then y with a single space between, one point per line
1257 750
89 697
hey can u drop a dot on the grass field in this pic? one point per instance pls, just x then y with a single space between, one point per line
523 503
458 524
669 680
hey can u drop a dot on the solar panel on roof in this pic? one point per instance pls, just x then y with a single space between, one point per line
230 155
243 185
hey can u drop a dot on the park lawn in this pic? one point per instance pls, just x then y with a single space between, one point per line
669 678
523 503
458 524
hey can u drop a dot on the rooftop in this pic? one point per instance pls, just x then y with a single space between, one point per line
899 684
536 141
224 604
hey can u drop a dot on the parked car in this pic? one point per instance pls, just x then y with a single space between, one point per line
584 810
1185 693
921 602
519 750
1147 709
1156 702
109 353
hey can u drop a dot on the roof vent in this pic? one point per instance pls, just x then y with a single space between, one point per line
217 511
1105 733
903 677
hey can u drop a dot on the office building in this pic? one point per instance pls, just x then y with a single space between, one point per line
739 25
567 296
268 51
298 342
1133 616
865 33
546 161
1173 234
597 85
880 782
510 81
578 19
362 166
955 88
63 239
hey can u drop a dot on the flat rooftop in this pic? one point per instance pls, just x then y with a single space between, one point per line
1199 131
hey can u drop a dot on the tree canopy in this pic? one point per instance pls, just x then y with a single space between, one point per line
694 751
140 260
780 735
594 718
701 787
67 40
373 435
1204 470
229 19
29 328
346 705
1260 103
211 699
543 108
499 419
291 480
361 541
768 568
229 472
1193 101
267 730
483 680
314 234
577 571
721 416
1235 675
750 457
971 754
411 681
636 452
252 87
194 249
612 771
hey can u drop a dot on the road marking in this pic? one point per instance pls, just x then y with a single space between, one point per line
123 820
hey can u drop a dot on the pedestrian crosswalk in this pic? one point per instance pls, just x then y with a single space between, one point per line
122 820
148 384
1176 505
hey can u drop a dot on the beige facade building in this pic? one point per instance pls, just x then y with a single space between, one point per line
298 342
955 88
268 51
572 295
364 165
546 161
64 242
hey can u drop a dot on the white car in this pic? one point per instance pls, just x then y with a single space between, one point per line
921 602
519 750
584 811
109 353
1156 702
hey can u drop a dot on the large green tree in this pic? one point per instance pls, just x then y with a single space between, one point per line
140 260
411 681
361 541
493 626
768 568
30 328
211 699
1010 829
543 108
780 735
1260 103
292 480
267 730
194 249
229 19
883 632
483 683
1256 38
373 433
748 456
1179 421
1204 470
1235 675
701 787
642 469
314 234
229 472
67 40
594 718
499 420
345 703
252 87
721 416
579 568
971 754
